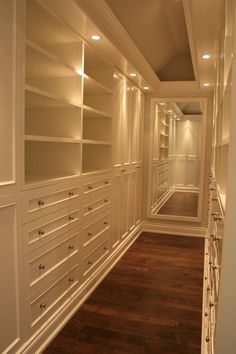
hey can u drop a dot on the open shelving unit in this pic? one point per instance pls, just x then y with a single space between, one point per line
97 112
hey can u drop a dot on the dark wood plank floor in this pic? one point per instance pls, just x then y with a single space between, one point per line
149 303
181 204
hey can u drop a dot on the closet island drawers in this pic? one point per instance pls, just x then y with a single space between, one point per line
47 263
42 307
40 231
42 201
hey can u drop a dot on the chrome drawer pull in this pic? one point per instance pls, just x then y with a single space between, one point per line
71 218
41 232
41 266
70 280
71 193
40 203
43 306
90 234
89 262
71 247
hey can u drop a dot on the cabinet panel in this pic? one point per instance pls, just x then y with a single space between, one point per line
124 196
9 103
9 296
118 112
116 209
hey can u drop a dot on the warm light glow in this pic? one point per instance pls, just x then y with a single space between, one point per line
206 56
80 72
206 84
95 37
146 88
162 104
132 74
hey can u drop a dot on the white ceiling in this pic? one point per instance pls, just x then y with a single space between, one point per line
158 28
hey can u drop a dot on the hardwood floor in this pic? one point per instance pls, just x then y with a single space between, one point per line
150 303
181 204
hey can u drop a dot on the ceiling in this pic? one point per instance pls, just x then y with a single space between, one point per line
190 108
158 28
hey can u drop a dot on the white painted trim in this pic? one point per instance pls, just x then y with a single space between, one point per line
167 229
41 339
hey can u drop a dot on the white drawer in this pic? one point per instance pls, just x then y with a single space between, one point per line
43 230
44 264
44 306
92 232
98 184
42 201
93 260
94 204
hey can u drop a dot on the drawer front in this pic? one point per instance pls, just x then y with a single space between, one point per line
43 265
92 261
45 229
98 184
92 232
95 203
46 304
43 201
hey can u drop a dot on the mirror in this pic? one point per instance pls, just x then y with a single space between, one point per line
176 163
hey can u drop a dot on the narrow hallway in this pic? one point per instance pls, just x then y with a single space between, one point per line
149 303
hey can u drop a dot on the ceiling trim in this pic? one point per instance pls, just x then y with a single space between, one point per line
192 43
102 16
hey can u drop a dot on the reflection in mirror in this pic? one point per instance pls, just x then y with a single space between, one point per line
176 156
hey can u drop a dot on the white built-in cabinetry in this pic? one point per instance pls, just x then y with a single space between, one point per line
77 207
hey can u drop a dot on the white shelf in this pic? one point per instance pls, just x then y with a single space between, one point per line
95 142
46 94
51 139
41 63
94 87
42 180
89 112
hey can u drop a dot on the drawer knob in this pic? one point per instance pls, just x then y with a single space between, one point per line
90 234
207 339
41 232
217 217
208 288
90 188
123 170
43 305
106 200
206 314
71 218
215 199
105 248
71 193
41 266
89 262
105 223
71 247
40 203
211 304
90 208
212 189
106 182
70 280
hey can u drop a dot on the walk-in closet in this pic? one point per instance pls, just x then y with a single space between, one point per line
117 178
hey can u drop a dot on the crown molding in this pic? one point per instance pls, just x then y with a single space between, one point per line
102 16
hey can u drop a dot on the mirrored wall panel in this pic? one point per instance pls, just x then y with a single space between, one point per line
176 134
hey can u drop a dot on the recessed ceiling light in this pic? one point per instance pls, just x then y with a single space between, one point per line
162 104
132 74
95 37
206 56
206 84
146 88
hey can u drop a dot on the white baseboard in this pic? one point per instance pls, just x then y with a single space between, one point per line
175 230
41 339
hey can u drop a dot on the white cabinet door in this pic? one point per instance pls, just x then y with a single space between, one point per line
132 198
10 110
127 94
9 265
138 195
124 227
118 112
116 208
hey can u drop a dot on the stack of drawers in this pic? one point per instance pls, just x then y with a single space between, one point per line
96 223
213 253
51 218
